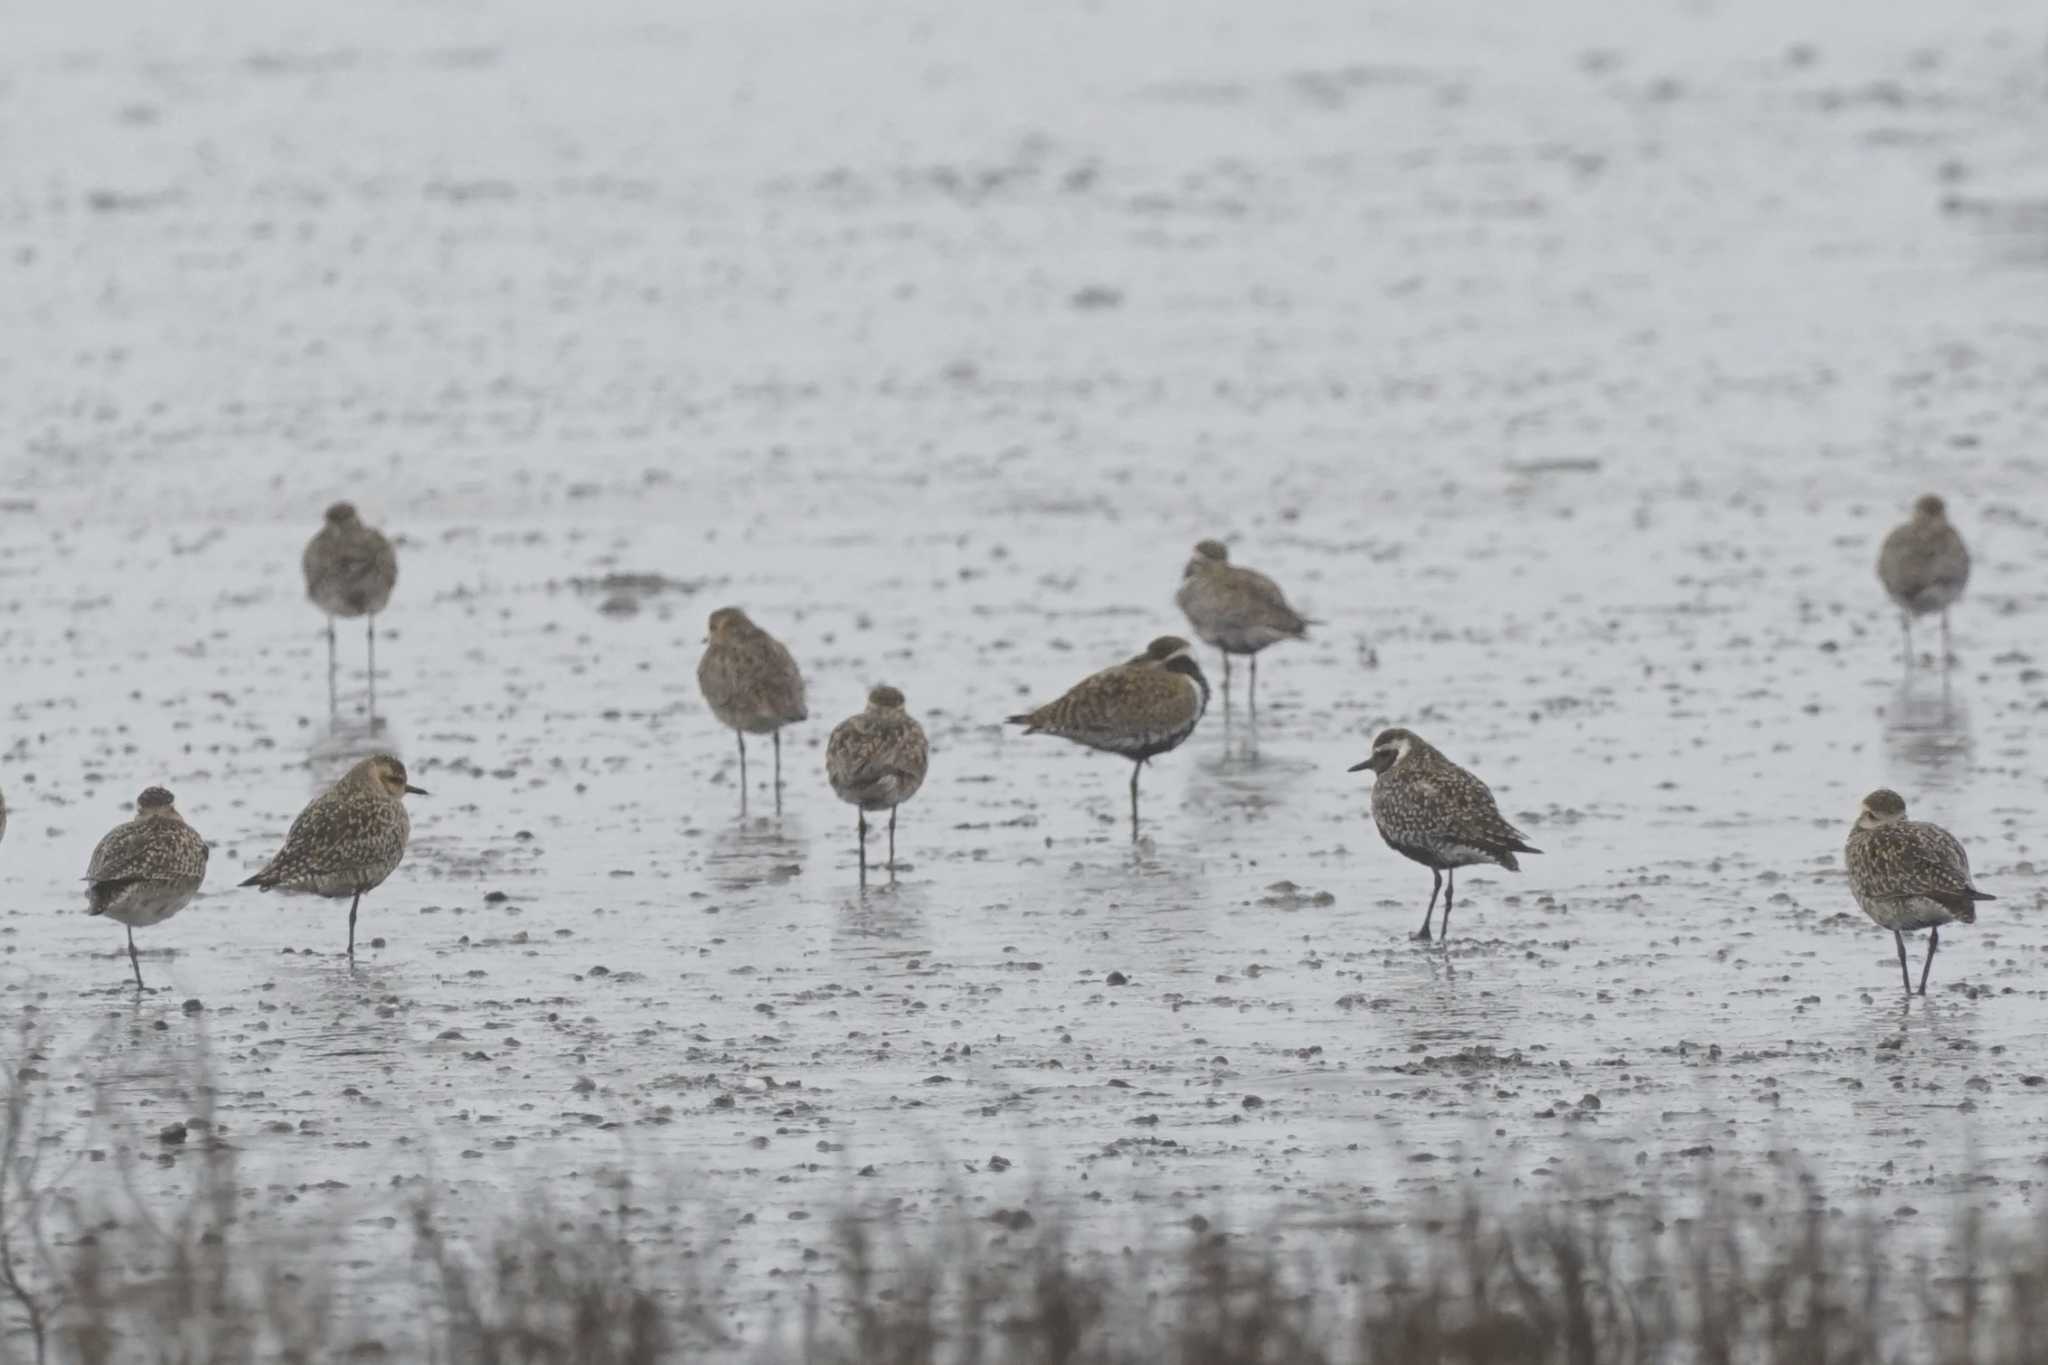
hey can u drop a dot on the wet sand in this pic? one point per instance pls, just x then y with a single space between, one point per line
1569 371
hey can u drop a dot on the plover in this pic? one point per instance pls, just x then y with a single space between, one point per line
877 761
1139 708
348 840
350 571
1240 611
752 684
146 870
1924 566
1907 875
1431 810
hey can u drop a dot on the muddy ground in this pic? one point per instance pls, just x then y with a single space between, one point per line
1568 367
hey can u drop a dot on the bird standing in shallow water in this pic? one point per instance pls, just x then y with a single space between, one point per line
1240 611
1139 708
350 571
1432 811
877 761
348 840
1924 566
1907 875
751 684
146 870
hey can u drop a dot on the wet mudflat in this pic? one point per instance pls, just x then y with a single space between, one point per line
1569 373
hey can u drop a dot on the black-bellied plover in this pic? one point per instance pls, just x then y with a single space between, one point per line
1139 708
348 840
752 684
146 870
1924 566
1433 811
1238 610
350 571
877 761
1907 875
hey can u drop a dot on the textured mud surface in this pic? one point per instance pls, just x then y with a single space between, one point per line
1569 370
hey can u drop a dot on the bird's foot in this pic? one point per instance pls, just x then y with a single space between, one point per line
1420 935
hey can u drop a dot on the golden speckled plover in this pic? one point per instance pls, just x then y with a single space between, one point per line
1924 566
751 684
1238 610
1907 875
146 870
348 840
350 571
1432 811
1139 708
877 760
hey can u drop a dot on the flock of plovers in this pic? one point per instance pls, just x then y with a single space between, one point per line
1907 875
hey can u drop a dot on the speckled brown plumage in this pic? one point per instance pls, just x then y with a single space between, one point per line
348 840
877 761
751 684
1434 812
1924 566
1139 708
1908 875
146 870
1238 610
350 571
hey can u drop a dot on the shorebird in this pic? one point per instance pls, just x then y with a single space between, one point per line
1432 811
1240 611
1907 875
751 684
350 571
1139 708
1924 566
348 840
146 870
3 815
877 761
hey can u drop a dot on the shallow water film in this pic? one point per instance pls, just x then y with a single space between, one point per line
1566 367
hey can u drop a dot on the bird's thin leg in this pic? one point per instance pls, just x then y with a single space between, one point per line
133 960
371 629
1450 889
1253 704
1933 942
778 771
860 825
1905 972
892 843
352 925
333 702
1226 682
1906 625
741 736
1947 658
1436 884
1136 768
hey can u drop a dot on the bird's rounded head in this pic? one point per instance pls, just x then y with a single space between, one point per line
885 698
1930 508
342 514
1881 807
1389 747
153 799
727 622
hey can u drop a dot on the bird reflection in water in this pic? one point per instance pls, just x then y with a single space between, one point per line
1927 729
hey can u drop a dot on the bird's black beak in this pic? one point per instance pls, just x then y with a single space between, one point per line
416 791
1359 767
1373 762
